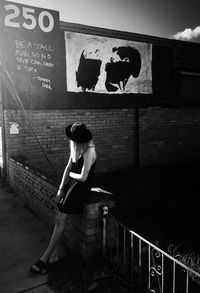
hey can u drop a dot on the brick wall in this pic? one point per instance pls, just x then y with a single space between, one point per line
113 132
169 135
165 135
13 142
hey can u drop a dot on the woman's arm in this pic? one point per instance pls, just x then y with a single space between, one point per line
66 173
60 192
89 158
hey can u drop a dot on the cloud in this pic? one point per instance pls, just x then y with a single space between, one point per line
188 34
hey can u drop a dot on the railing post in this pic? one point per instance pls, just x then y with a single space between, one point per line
105 212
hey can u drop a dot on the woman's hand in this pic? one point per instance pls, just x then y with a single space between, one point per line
59 195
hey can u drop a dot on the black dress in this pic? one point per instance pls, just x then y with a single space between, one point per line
76 191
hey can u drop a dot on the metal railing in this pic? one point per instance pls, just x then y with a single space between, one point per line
143 265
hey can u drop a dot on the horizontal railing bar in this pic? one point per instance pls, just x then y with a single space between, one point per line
160 250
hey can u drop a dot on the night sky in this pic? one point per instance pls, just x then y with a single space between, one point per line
168 19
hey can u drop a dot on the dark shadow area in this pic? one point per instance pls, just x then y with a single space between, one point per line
159 202
75 275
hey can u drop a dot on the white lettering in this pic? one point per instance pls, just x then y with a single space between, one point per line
22 60
47 86
46 80
23 44
48 64
13 14
30 69
22 53
35 55
20 44
44 47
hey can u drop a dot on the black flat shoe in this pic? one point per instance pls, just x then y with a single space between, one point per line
39 268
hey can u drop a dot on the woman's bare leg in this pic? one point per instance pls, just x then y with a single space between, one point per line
54 256
56 236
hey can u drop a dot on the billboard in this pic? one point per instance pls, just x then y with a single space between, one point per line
107 65
30 50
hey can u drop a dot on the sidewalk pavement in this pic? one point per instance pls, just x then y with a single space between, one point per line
23 238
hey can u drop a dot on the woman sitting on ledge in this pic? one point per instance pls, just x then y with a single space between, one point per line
75 185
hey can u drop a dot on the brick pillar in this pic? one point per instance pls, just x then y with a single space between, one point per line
84 233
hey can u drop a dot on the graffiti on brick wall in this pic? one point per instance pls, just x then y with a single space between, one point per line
34 189
107 65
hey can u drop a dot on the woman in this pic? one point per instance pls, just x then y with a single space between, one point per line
75 184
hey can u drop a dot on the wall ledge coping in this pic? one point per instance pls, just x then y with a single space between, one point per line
35 172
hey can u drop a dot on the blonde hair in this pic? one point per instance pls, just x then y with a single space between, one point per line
77 149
